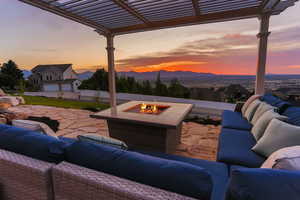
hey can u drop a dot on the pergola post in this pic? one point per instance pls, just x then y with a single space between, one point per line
262 54
111 73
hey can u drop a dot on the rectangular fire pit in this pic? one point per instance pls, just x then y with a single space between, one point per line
154 126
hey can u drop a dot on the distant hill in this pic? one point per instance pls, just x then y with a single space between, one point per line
165 75
26 73
184 76
85 75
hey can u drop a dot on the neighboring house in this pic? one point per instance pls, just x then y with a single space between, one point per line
53 78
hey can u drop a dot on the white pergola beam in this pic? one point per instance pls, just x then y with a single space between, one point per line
262 54
111 73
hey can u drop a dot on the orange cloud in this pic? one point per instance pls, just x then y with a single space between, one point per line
294 66
168 66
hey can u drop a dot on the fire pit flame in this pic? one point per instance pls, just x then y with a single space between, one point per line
148 108
144 108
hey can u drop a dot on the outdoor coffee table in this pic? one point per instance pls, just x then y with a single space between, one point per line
160 131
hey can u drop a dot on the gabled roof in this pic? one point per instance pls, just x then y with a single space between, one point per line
125 16
56 67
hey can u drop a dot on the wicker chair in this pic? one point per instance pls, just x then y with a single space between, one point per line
24 178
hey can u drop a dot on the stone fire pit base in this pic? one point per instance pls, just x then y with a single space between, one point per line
145 137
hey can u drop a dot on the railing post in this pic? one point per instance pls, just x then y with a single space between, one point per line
111 73
262 54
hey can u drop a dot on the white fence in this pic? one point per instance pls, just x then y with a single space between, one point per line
200 107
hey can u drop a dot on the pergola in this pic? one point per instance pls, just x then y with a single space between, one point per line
118 17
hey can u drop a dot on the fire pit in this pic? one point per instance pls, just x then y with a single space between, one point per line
147 108
147 125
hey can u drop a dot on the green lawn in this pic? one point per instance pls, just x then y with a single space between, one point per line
62 103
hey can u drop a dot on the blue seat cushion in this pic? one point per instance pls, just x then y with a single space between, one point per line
235 148
174 176
235 167
218 171
276 102
235 120
293 114
263 184
68 141
32 144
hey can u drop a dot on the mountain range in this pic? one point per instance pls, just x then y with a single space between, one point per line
181 75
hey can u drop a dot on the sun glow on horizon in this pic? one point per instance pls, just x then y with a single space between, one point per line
168 66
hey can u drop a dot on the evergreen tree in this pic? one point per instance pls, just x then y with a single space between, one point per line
147 88
10 75
160 88
99 81
177 90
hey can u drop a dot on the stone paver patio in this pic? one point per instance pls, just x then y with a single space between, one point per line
197 141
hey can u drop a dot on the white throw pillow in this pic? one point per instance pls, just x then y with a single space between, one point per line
287 158
252 109
262 108
34 126
278 135
248 102
261 125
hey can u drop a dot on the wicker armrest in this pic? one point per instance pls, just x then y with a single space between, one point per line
238 106
77 183
22 177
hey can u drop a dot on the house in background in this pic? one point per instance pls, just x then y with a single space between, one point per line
55 78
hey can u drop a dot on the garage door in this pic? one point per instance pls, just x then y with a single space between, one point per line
51 87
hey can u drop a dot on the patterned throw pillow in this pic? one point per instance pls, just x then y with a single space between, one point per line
248 102
278 135
287 158
262 108
252 109
99 139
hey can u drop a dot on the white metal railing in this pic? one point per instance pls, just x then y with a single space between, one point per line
200 106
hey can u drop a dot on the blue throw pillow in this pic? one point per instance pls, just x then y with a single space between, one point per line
263 184
276 102
293 114
179 177
32 144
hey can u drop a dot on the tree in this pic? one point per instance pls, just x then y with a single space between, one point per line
160 88
147 88
177 90
99 81
11 76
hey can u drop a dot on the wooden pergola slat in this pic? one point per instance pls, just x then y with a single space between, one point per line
142 15
132 11
191 20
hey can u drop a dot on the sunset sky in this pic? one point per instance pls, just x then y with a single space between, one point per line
30 36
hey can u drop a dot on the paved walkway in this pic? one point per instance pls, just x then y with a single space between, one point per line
198 141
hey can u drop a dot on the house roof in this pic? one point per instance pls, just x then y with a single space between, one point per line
55 67
126 16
